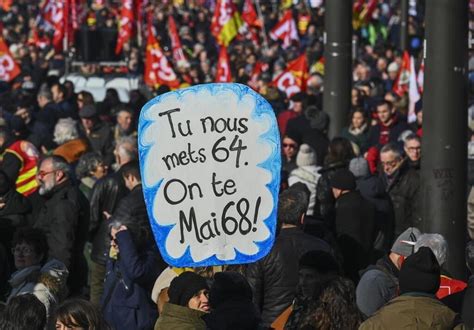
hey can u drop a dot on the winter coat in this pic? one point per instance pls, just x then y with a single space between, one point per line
377 286
359 138
228 316
309 175
413 311
64 217
274 278
462 302
129 279
395 129
106 195
175 317
355 231
47 283
404 191
72 150
101 140
372 189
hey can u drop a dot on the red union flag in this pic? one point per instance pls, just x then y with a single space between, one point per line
249 15
226 22
223 67
53 12
157 68
285 30
178 54
126 25
294 78
400 85
8 67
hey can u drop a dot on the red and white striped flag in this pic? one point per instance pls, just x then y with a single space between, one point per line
126 25
178 53
223 66
9 69
294 78
285 30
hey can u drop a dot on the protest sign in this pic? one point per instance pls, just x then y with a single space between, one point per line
210 164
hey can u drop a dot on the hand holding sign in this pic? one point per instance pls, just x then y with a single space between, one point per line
210 162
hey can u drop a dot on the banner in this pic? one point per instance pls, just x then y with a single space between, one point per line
226 22
210 164
223 67
126 25
293 79
9 69
158 71
285 30
249 14
178 54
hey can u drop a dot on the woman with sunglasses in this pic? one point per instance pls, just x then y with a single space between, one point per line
289 146
45 279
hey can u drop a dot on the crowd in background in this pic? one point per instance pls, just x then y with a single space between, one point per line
76 247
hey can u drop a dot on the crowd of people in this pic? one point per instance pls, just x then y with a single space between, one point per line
76 246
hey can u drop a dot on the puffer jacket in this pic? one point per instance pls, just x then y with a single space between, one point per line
274 278
47 283
126 302
404 191
413 311
105 197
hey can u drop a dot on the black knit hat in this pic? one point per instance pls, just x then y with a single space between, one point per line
420 272
184 287
343 179
229 286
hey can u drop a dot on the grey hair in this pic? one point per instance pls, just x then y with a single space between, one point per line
59 164
393 148
65 131
411 137
127 148
46 93
88 163
437 243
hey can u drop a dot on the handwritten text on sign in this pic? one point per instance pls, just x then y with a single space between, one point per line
210 164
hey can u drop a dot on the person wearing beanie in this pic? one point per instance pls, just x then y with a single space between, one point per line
231 303
371 188
354 223
188 303
307 173
417 306
379 282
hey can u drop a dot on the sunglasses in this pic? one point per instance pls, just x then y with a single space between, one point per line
290 145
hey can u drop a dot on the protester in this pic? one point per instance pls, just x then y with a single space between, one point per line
70 146
417 305
23 312
64 217
89 169
290 148
379 283
188 303
412 147
357 131
79 313
389 126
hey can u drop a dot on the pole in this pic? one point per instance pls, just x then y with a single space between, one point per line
338 62
444 161
404 25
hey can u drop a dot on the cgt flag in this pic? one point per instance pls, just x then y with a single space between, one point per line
223 67
226 22
294 78
126 25
157 68
285 30
400 85
54 14
9 69
178 54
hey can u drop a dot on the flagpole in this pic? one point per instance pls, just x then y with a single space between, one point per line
264 30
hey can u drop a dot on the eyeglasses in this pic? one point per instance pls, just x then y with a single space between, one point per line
289 145
414 148
42 174
26 251
390 163
80 100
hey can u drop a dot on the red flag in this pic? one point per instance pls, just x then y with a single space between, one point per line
9 69
53 12
294 78
421 76
285 30
223 67
126 25
157 68
249 15
178 54
226 22
257 70
400 85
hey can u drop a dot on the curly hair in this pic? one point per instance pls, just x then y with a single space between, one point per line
333 307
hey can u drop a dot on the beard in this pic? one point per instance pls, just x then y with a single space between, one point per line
46 187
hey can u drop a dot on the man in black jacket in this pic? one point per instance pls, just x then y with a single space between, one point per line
274 278
64 217
354 223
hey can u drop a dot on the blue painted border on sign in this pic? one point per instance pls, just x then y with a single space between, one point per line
272 164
